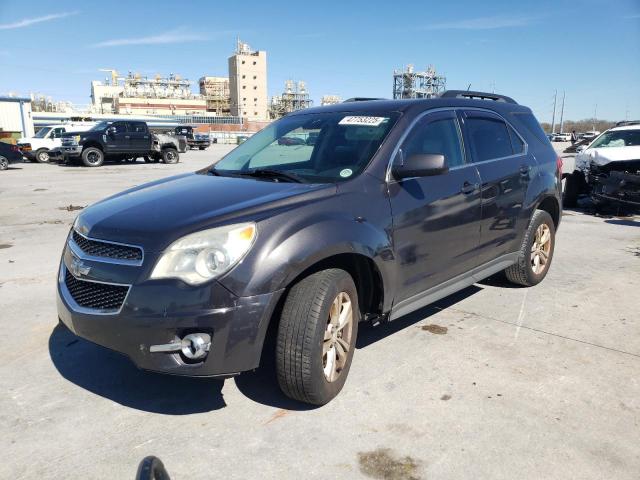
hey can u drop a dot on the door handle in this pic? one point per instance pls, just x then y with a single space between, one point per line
468 188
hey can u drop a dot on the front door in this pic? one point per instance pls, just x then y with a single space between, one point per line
436 219
119 140
505 168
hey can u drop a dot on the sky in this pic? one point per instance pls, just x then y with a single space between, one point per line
527 50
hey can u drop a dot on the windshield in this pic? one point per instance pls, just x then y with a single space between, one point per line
617 138
316 148
42 132
99 126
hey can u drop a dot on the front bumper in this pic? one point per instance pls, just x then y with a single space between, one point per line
617 187
158 312
64 152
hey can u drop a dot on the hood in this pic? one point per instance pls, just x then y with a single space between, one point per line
603 156
156 214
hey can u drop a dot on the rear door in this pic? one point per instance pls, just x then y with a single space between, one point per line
436 219
500 155
140 139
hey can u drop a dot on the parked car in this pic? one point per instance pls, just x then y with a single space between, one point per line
398 204
291 141
608 169
561 137
194 140
9 154
47 139
120 140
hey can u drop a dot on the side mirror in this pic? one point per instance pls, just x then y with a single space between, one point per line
581 148
111 131
421 165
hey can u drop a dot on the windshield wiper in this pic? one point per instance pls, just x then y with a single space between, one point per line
275 174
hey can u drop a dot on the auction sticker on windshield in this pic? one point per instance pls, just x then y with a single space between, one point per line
362 120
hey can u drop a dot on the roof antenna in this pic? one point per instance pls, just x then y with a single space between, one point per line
469 87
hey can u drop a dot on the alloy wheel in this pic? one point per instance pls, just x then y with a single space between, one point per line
337 337
541 249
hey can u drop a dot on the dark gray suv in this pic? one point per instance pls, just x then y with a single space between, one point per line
393 205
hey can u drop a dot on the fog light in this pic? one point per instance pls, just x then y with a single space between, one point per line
196 345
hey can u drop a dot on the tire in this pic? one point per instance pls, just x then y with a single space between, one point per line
572 187
307 327
202 148
4 163
525 271
42 155
170 155
92 157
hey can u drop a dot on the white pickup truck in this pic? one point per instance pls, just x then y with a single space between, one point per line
48 138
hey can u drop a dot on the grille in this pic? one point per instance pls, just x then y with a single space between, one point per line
98 296
97 248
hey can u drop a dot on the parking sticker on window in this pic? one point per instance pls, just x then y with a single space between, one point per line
362 120
347 172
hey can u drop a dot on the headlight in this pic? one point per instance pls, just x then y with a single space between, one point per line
201 256
76 139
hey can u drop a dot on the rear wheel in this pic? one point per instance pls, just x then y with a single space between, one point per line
536 252
317 336
170 155
42 155
4 163
92 157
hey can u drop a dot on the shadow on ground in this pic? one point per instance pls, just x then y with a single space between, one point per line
115 377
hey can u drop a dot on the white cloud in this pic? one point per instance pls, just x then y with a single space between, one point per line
25 22
175 36
482 23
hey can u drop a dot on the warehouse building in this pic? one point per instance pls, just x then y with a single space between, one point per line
15 118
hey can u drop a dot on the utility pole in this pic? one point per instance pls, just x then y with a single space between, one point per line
595 114
553 119
562 112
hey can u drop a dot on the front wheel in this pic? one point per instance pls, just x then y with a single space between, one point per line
42 155
317 336
572 186
92 157
4 163
170 155
536 253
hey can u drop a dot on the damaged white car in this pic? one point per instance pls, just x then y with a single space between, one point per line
608 170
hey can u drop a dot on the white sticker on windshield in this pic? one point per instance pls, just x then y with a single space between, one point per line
347 172
362 120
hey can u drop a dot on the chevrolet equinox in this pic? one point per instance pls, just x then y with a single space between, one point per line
330 216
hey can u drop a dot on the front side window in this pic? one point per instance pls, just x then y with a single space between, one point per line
42 132
315 148
436 137
617 138
138 127
120 127
489 138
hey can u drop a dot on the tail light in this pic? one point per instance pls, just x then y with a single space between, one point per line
559 165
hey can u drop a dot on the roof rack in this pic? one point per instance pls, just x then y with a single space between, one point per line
361 99
624 123
481 95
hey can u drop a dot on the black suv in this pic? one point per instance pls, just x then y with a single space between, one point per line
391 206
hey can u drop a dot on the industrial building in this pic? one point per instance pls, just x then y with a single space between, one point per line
139 94
408 83
295 97
215 91
248 83
330 100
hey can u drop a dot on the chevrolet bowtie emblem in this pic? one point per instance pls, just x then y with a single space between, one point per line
78 268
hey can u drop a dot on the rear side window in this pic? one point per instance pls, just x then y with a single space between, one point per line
516 141
489 138
138 127
531 124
